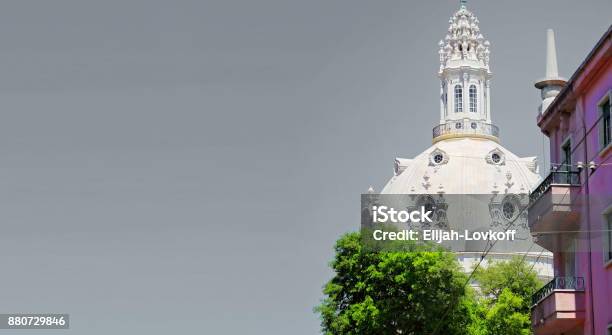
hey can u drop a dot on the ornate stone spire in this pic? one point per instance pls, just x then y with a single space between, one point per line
464 41
464 80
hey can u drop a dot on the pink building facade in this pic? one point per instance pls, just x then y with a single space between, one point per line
570 213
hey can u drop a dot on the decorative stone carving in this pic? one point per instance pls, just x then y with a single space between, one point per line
531 163
426 184
509 182
464 40
400 164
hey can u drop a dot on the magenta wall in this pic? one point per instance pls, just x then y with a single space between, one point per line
600 188
591 266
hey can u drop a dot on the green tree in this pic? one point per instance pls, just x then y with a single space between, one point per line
396 292
515 275
507 288
475 311
506 316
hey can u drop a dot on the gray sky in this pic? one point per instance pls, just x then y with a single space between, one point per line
186 166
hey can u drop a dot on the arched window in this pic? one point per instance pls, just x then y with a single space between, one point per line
473 98
458 99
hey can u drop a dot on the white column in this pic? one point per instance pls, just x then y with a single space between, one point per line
488 100
481 100
450 96
442 107
466 93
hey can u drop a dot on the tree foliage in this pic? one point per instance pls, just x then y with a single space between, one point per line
413 290
514 274
394 292
507 288
506 315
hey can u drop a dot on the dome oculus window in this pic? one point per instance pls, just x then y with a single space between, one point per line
438 157
496 157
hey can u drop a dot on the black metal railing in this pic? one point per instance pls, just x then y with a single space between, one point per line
571 178
558 283
465 126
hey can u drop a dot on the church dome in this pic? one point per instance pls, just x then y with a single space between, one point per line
471 167
464 165
466 157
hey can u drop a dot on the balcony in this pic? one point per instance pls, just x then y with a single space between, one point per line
558 307
553 209
465 128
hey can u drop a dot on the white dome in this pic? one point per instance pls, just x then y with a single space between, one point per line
474 166
466 157
464 165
